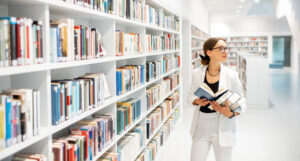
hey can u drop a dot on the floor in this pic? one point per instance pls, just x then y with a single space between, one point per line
263 135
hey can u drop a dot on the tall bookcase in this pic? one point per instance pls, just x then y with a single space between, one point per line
254 80
255 45
39 76
193 40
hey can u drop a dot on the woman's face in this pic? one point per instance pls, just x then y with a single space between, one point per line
219 52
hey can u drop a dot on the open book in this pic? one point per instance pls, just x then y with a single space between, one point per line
234 99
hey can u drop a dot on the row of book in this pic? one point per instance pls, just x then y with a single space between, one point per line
247 44
110 156
158 43
127 113
197 43
170 82
196 54
154 119
87 139
69 42
159 140
105 6
29 157
131 143
129 77
71 97
196 64
263 38
127 43
20 41
154 69
19 116
198 33
153 95
138 10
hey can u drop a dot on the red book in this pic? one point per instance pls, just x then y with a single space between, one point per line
18 38
27 43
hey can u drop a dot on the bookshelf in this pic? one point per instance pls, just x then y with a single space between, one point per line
256 45
193 40
255 91
39 76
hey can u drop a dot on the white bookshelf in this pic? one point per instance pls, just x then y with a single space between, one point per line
255 45
192 59
39 76
255 81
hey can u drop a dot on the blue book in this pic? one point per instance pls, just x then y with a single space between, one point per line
8 110
54 101
204 91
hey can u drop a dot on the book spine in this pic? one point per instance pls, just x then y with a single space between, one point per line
2 122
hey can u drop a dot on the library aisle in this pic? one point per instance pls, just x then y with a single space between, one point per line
262 135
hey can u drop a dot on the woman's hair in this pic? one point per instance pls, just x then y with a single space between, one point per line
209 45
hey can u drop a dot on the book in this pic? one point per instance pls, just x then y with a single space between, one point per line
220 96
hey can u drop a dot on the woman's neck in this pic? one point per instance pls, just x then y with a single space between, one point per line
214 67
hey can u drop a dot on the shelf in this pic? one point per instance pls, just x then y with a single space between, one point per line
110 145
140 55
23 69
81 116
20 146
194 60
143 116
246 46
69 64
156 130
198 38
197 48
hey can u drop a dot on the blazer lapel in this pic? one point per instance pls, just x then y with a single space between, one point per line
222 81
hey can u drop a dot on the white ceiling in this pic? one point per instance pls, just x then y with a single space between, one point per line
225 8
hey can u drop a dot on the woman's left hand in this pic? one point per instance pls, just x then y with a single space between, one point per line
225 110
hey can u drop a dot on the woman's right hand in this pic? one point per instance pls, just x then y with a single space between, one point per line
201 102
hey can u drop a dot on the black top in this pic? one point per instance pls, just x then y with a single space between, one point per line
214 87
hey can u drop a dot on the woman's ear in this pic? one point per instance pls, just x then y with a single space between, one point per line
208 52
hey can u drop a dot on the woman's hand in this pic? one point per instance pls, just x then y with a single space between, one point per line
201 102
225 110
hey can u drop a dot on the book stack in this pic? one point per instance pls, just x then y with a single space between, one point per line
127 113
21 41
69 42
196 54
70 97
105 6
153 95
138 10
19 116
29 157
154 69
87 139
166 42
129 77
131 143
170 82
127 43
109 156
174 98
171 62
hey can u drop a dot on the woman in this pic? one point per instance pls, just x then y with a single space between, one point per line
215 127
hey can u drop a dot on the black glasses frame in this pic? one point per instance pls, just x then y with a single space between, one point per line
222 49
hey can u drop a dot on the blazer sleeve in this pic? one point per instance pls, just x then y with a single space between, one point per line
238 87
190 96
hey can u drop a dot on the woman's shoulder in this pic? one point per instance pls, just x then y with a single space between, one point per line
229 71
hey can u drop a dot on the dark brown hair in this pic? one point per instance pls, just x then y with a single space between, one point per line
209 45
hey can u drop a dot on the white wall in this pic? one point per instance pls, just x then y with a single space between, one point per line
193 10
256 26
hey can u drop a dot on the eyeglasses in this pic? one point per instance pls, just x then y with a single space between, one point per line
222 49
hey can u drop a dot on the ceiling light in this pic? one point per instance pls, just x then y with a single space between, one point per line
242 0
257 1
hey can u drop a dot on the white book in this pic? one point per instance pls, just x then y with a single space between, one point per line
5 41
2 121
53 44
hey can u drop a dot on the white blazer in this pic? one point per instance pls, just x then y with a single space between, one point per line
228 79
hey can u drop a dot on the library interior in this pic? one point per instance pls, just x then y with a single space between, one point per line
149 80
